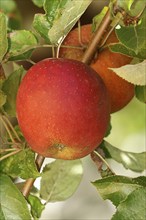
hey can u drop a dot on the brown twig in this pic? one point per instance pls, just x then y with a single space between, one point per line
92 48
29 183
104 161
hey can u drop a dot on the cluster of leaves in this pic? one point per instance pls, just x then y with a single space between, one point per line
60 179
132 41
128 195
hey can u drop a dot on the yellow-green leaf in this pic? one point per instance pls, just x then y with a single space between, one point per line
135 74
3 36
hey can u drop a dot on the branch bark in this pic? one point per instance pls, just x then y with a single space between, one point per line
92 48
29 183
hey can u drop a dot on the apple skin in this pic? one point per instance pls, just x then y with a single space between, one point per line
72 39
63 108
120 91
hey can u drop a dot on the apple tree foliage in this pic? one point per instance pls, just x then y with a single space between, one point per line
60 179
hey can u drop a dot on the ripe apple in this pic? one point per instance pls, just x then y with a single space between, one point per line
72 39
63 108
121 92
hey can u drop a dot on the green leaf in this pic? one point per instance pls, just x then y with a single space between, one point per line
7 6
120 48
41 25
126 5
60 179
98 18
135 74
137 8
19 133
117 188
133 38
133 161
133 207
38 3
66 16
20 165
132 7
10 88
2 98
21 45
54 25
13 204
140 93
36 206
3 36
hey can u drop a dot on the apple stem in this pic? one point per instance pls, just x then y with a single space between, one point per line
29 183
92 48
30 61
80 36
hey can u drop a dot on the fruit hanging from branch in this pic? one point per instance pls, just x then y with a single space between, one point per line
121 92
63 108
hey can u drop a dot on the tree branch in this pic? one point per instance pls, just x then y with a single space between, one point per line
29 183
92 48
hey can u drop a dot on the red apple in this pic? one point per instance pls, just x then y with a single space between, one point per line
63 108
121 92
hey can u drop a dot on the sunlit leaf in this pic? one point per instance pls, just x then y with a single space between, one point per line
65 18
21 164
21 44
41 25
135 74
133 207
60 180
13 205
3 36
117 188
10 87
59 18
132 161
